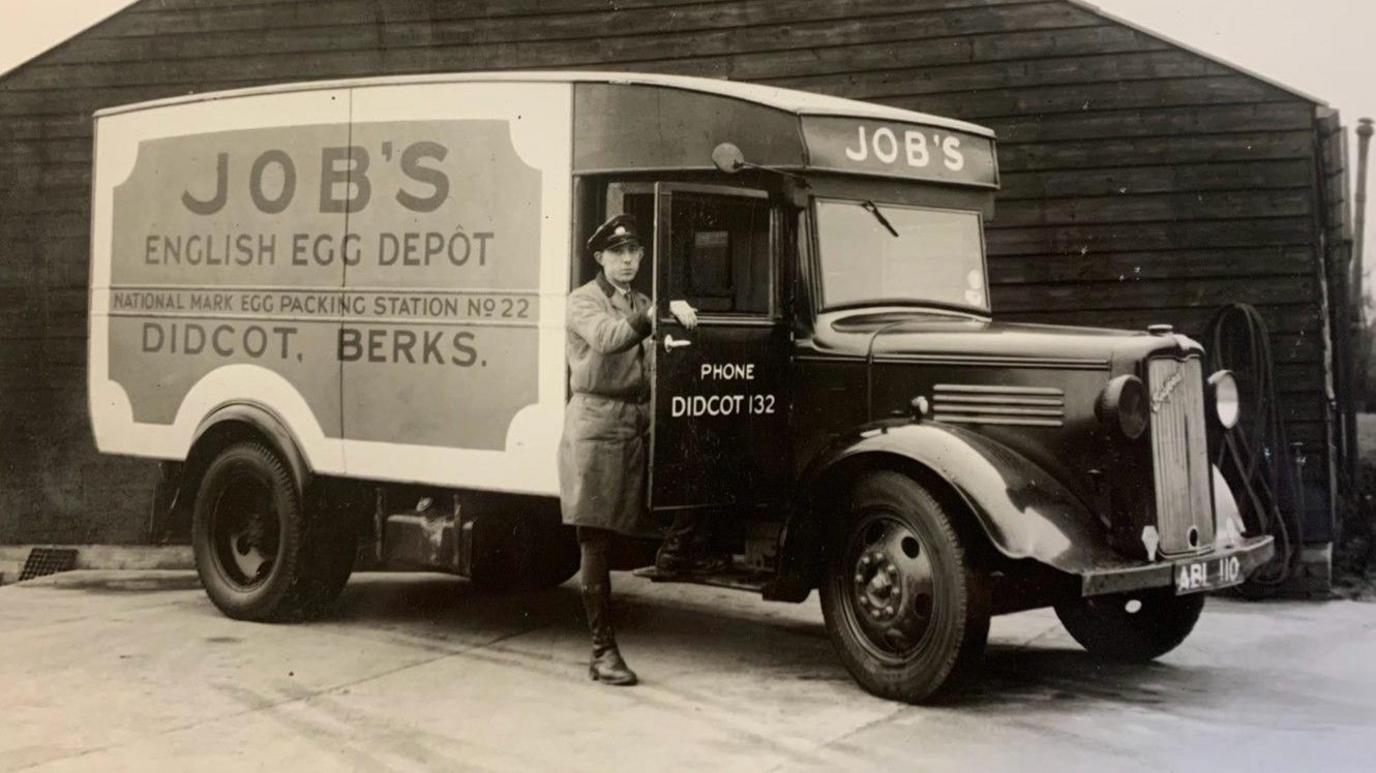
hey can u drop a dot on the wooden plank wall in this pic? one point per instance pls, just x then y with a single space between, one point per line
1142 183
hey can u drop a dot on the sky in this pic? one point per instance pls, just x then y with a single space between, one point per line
1319 47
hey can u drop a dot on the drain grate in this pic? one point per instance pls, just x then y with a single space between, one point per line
45 561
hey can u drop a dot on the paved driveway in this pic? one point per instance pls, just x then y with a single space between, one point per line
137 671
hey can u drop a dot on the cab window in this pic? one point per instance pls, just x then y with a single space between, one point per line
718 245
720 258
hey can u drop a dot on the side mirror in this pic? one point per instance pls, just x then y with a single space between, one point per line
728 158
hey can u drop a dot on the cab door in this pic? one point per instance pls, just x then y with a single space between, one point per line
719 434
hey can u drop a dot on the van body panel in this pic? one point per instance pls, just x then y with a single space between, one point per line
383 268
469 390
167 345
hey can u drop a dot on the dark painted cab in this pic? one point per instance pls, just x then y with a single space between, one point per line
857 420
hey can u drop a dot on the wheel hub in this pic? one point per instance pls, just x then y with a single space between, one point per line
879 589
891 587
249 548
244 532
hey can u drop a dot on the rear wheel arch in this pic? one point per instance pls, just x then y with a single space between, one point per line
226 426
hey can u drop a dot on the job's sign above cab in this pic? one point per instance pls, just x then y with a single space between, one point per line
892 149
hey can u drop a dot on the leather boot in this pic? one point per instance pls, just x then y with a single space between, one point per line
607 666
675 555
684 548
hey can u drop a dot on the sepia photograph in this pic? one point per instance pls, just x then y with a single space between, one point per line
686 385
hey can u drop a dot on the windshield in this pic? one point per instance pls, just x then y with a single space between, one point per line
936 256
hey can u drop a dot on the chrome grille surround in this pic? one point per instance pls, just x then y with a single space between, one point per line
1180 455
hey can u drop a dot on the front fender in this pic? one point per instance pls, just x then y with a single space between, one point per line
1025 512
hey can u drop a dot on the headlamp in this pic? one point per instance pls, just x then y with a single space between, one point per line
1124 404
1224 397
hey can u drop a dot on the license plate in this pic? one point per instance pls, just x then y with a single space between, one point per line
1207 574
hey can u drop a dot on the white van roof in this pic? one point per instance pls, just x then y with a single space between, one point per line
790 100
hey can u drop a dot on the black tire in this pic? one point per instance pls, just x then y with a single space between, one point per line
899 547
1131 627
332 546
256 554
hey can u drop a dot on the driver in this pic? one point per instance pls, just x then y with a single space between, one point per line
602 454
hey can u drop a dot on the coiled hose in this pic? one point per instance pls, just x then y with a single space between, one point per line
1254 456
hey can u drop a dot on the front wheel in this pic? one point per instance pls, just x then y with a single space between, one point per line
1133 627
906 606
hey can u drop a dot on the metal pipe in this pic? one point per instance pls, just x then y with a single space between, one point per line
1359 346
1364 131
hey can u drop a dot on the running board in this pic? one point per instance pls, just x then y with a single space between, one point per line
737 577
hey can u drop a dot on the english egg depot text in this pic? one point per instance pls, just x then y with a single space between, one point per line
405 248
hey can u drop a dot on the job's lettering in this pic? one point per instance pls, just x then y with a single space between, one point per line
287 188
346 169
883 145
413 167
345 180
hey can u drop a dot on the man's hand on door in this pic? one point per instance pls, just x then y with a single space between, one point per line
684 313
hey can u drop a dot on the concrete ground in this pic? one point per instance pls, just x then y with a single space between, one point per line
137 671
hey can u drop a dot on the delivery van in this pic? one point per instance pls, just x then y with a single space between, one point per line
336 312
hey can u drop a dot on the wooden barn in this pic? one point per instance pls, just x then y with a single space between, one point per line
1143 182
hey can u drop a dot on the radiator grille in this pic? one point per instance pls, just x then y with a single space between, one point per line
1180 456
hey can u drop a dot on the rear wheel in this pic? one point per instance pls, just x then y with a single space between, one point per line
256 553
905 605
332 547
1133 627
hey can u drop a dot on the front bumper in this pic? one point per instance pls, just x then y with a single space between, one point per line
1251 552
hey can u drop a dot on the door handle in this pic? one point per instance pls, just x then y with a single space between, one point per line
670 343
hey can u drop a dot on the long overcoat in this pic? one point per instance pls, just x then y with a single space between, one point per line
602 453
